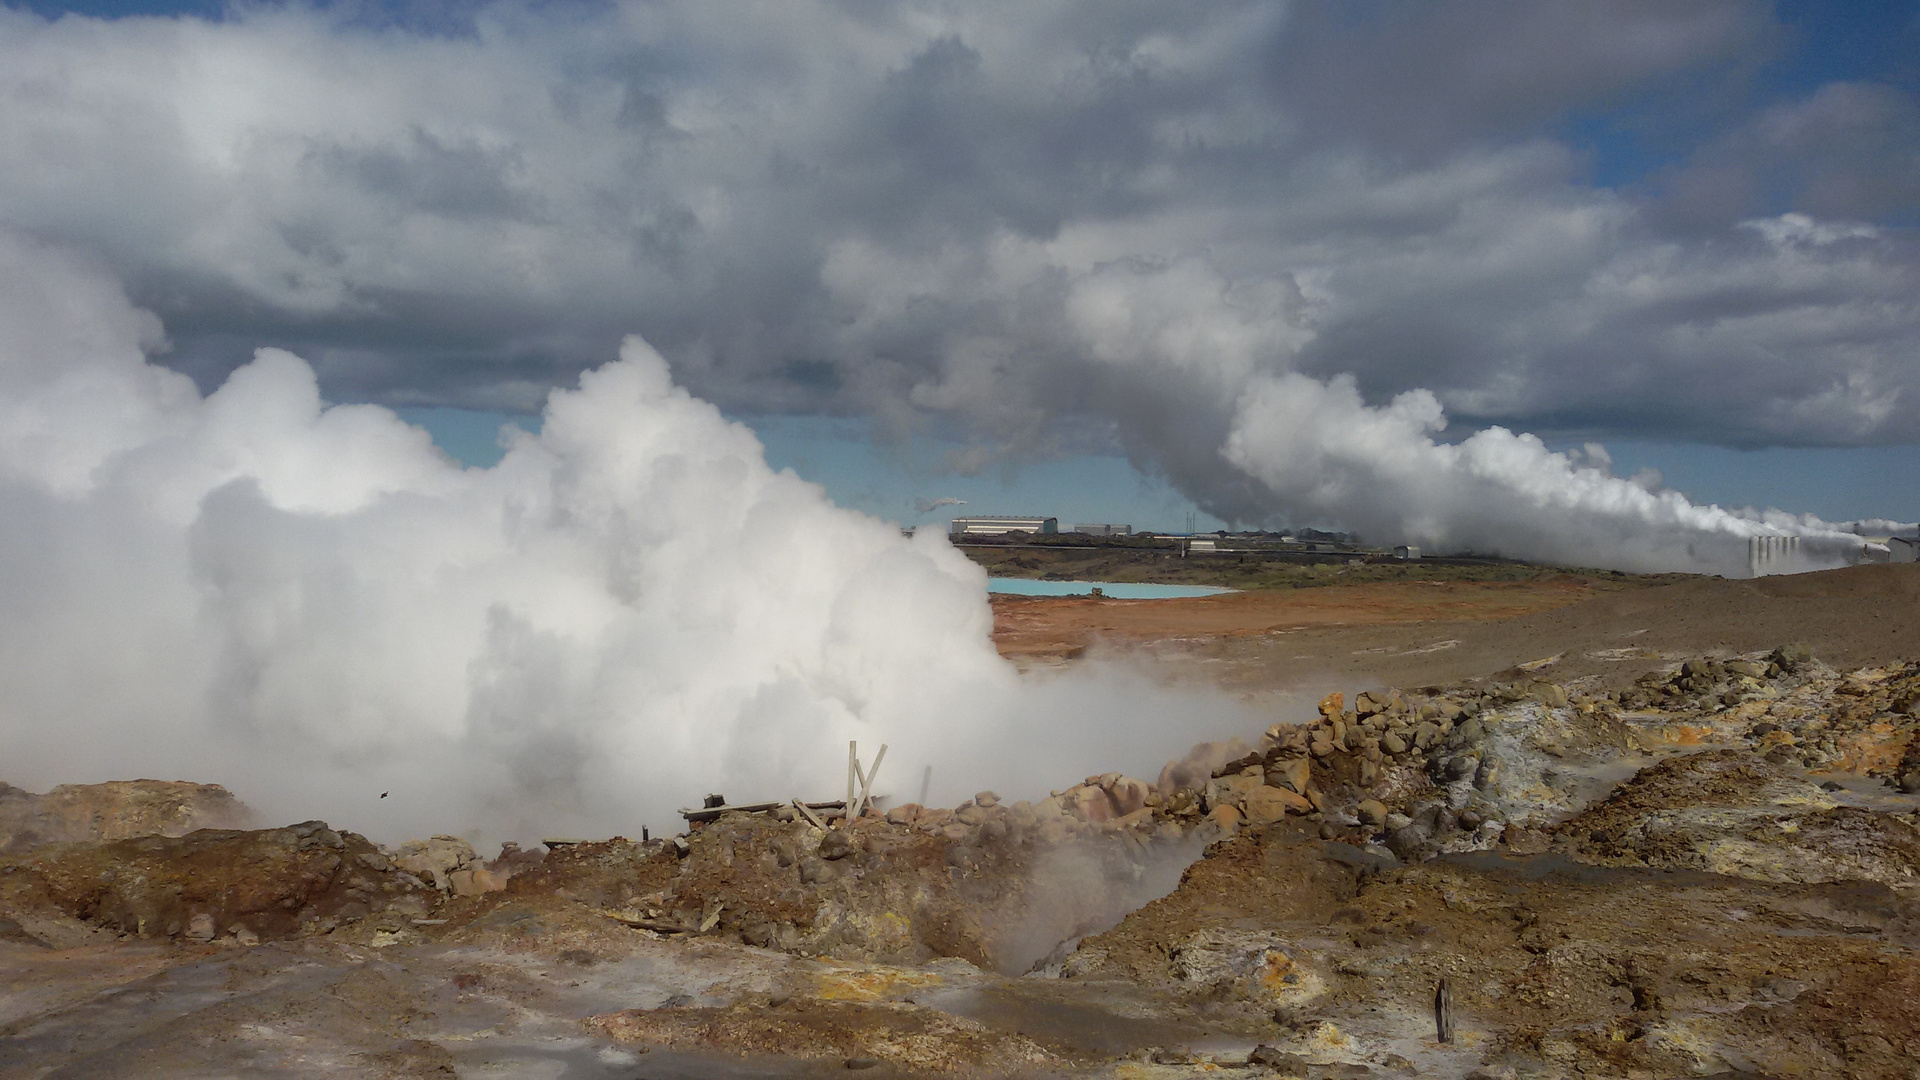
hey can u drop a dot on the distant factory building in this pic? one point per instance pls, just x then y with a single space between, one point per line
1902 549
1773 554
1104 530
1003 526
1406 551
1202 547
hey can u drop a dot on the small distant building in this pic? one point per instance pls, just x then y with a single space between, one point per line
1202 547
1406 551
1773 555
1902 549
1003 526
1104 530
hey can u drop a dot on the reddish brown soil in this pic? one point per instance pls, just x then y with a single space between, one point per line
1065 625
1416 633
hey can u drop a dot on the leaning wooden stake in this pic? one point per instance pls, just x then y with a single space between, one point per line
866 785
853 770
1443 1011
810 815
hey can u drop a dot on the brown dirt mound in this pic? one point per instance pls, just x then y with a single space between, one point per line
115 811
271 883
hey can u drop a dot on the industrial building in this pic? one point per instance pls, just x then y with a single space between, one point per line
1902 549
1003 526
1104 530
1406 551
1772 554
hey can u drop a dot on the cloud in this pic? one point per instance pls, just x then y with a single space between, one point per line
312 605
1066 228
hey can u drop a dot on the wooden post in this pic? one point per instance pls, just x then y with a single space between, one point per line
1443 1011
853 769
866 785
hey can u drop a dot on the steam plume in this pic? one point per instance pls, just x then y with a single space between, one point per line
1319 450
313 605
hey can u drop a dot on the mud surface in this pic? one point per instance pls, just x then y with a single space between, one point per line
1690 851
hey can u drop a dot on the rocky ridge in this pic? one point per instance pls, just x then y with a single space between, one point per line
1710 871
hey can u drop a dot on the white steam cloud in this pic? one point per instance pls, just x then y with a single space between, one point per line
1323 451
313 605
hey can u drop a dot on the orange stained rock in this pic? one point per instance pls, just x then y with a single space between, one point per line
1870 750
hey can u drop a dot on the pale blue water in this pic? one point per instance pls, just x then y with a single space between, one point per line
1119 590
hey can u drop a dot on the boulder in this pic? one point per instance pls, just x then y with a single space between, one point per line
434 859
1266 805
1128 795
1368 702
986 798
1232 790
1550 695
1791 657
475 881
1372 812
1469 733
1087 803
1199 764
836 844
1332 704
1293 773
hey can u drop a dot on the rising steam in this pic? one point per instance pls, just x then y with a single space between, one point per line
312 605
1320 451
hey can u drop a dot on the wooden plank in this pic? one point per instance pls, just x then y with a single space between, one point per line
710 813
807 811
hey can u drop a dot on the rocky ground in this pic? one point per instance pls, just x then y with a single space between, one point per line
1696 865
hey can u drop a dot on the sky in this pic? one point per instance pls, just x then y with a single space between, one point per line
1038 260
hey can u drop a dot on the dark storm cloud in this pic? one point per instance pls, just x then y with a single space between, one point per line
1046 228
1422 78
1851 150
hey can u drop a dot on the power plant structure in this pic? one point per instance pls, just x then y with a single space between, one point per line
1772 554
1003 526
